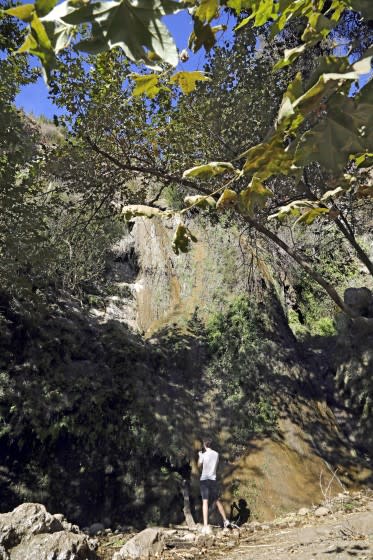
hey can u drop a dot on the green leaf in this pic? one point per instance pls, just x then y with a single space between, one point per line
24 12
365 7
239 5
262 11
311 215
140 210
146 85
206 202
242 23
39 44
362 160
269 158
297 105
290 56
228 199
182 238
133 25
208 170
326 85
346 130
319 27
203 35
293 209
207 10
43 7
256 194
188 80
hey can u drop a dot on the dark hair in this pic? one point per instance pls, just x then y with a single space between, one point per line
207 442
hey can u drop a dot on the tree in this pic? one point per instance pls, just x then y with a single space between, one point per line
317 120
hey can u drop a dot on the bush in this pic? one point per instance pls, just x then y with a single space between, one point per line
238 370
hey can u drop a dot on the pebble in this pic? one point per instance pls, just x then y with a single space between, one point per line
303 511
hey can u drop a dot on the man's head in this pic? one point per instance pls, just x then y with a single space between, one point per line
207 442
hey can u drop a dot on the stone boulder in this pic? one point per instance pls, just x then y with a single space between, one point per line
30 532
26 520
360 300
57 546
149 542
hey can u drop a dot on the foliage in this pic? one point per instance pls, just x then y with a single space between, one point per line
313 314
81 428
49 237
319 100
239 370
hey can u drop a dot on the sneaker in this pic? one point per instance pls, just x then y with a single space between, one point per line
206 530
227 524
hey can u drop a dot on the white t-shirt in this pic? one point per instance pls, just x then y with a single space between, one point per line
209 459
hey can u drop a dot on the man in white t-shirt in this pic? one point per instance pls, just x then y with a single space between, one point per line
208 459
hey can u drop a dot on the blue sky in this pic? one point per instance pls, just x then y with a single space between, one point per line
34 98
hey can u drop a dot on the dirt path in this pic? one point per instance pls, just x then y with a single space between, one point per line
343 530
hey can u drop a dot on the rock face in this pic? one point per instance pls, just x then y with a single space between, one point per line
24 521
360 300
29 531
149 542
167 288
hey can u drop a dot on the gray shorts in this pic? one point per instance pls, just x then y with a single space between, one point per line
209 490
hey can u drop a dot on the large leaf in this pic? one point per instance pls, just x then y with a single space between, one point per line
24 12
206 202
256 194
38 43
309 216
269 158
43 7
305 210
203 35
188 80
133 25
207 10
346 130
140 210
296 104
365 7
228 199
239 5
182 238
146 85
262 11
209 169
290 56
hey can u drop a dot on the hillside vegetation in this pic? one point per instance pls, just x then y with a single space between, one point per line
186 255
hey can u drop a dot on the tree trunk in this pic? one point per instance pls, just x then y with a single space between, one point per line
187 511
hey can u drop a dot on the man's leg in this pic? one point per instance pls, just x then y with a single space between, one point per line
221 510
205 512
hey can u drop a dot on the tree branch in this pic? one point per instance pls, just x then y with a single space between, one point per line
305 264
147 170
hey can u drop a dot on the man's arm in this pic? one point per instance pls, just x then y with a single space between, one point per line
200 458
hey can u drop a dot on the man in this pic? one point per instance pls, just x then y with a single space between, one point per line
208 460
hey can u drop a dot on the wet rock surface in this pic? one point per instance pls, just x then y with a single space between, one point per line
345 532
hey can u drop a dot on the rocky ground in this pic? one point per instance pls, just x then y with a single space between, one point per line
341 529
